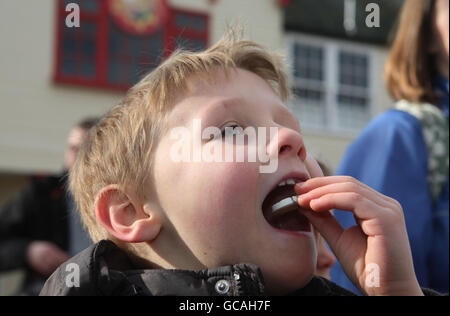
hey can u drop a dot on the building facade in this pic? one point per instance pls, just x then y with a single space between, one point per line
53 75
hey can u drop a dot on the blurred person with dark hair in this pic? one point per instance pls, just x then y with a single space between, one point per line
404 152
40 227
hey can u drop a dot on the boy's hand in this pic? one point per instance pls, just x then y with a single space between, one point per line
375 254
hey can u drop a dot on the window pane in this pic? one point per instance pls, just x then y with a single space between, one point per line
309 101
131 56
352 100
309 107
87 70
353 104
308 63
88 49
78 51
68 67
114 72
353 69
190 22
310 114
353 111
308 95
68 43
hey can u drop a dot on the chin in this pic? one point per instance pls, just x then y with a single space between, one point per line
286 278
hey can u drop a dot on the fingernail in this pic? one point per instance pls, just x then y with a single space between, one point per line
300 200
299 186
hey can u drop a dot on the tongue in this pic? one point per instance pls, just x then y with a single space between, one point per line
288 217
293 220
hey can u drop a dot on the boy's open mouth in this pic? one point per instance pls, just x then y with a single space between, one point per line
281 210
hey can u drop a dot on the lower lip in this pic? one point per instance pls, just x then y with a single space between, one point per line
300 233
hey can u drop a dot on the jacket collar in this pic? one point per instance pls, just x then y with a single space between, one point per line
105 270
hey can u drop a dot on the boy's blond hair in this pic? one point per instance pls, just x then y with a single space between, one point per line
119 148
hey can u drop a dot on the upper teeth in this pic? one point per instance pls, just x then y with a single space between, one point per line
288 181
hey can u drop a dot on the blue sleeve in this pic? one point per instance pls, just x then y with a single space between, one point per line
390 156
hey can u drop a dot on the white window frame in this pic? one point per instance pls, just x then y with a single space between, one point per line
331 48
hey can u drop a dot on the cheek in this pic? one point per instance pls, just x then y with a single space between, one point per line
226 195
214 210
206 198
224 209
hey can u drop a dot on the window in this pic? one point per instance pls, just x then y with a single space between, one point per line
78 47
352 97
330 83
308 84
101 53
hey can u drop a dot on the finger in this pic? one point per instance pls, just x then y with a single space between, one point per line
353 185
342 187
361 207
327 225
313 183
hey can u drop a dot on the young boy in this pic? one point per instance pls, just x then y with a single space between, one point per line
212 227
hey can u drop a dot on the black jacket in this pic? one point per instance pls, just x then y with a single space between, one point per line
104 270
39 212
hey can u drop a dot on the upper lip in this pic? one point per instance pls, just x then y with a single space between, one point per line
298 175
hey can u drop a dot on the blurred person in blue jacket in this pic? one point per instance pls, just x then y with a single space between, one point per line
403 153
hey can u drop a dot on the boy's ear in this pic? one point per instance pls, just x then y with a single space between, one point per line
123 215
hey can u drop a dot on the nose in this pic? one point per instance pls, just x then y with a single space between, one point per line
290 142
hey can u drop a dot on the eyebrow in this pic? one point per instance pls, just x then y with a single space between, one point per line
226 103
221 105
